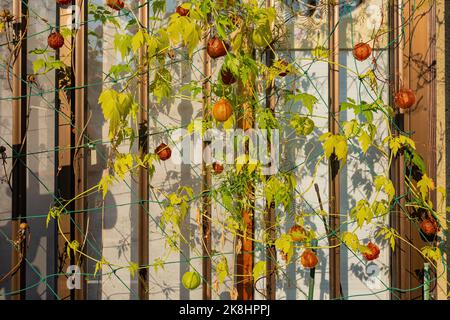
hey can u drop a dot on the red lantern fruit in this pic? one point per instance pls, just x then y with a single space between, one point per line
216 48
405 98
217 167
63 2
227 77
115 4
222 110
374 252
429 227
163 151
297 233
182 11
55 40
362 51
309 259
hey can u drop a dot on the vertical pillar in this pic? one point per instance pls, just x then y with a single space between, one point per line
270 222
206 180
80 157
19 178
413 62
244 260
334 184
143 219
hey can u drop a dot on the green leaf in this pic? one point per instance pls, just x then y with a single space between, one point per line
431 253
122 44
222 269
334 144
302 125
388 234
307 100
284 244
259 270
38 64
350 128
105 183
138 40
382 182
133 268
362 213
158 263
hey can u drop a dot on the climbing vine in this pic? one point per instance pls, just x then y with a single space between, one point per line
240 34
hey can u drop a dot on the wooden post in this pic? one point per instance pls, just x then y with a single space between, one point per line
441 170
413 63
244 260
143 220
334 185
206 180
70 174
81 154
19 148
270 219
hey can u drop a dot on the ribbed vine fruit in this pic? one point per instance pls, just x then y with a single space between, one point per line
362 51
191 280
222 110
227 77
262 36
297 233
429 227
374 252
55 40
115 4
216 48
405 99
63 2
309 259
182 11
217 167
163 151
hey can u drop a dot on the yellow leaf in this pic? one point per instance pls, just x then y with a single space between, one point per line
351 240
425 185
364 141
